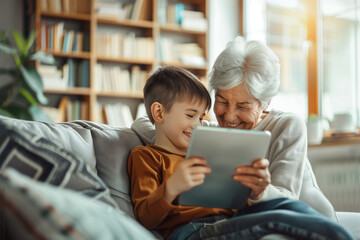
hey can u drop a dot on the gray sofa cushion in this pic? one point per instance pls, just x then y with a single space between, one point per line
112 147
351 221
42 160
33 210
71 136
105 148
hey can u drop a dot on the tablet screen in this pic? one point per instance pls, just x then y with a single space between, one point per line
224 149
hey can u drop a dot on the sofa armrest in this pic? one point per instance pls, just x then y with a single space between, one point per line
351 221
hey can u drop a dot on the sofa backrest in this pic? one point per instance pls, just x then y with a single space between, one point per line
104 148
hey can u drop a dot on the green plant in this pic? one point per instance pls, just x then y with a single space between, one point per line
20 98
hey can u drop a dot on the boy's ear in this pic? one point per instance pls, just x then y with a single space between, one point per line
157 112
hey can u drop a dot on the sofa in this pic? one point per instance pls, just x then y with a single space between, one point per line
69 181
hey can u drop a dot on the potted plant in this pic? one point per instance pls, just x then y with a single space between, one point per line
21 97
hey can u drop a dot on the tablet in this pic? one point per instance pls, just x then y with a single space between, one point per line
224 149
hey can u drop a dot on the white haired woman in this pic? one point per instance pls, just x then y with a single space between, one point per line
245 77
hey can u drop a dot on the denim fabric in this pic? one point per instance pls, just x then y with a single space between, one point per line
277 216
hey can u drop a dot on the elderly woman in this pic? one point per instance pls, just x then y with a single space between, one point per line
245 78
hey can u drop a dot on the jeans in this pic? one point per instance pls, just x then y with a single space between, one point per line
277 216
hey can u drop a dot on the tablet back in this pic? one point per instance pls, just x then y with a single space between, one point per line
224 149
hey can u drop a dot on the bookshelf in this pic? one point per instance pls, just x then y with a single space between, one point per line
105 51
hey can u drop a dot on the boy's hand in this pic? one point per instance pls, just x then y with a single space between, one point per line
190 173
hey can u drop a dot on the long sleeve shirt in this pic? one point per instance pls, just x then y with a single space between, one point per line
149 167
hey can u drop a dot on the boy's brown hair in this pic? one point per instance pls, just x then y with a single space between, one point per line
168 85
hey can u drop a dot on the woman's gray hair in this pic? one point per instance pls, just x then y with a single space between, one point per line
250 63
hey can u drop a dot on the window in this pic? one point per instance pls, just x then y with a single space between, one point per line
282 25
339 58
318 44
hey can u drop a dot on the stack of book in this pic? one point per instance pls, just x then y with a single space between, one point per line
114 78
117 115
125 45
53 77
191 54
186 53
194 20
138 10
71 74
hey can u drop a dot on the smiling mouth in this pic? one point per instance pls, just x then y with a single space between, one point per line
232 124
187 134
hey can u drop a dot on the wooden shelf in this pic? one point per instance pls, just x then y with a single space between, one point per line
83 55
82 18
71 16
177 29
125 60
181 65
339 139
125 23
134 95
69 91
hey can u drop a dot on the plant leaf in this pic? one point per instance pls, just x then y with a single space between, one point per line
43 57
5 48
38 115
33 80
18 112
17 60
28 96
20 41
29 42
4 112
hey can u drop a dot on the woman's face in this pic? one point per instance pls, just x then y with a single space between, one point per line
235 108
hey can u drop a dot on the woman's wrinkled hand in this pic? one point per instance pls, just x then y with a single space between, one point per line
256 177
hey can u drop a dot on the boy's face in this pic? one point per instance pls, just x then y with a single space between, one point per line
178 123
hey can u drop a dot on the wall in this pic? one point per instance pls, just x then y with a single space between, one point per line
11 17
224 25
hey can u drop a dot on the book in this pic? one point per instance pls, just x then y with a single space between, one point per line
84 76
145 11
62 108
141 111
66 6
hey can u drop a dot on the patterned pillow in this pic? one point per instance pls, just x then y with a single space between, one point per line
35 210
45 161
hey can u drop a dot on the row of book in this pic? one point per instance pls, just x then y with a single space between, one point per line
71 74
179 14
66 6
55 38
186 53
114 78
137 10
119 114
68 110
125 45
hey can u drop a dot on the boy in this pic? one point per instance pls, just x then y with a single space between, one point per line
176 102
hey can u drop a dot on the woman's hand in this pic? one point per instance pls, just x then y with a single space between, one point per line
190 173
256 177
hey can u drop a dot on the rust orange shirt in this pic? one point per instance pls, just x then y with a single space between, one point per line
149 168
